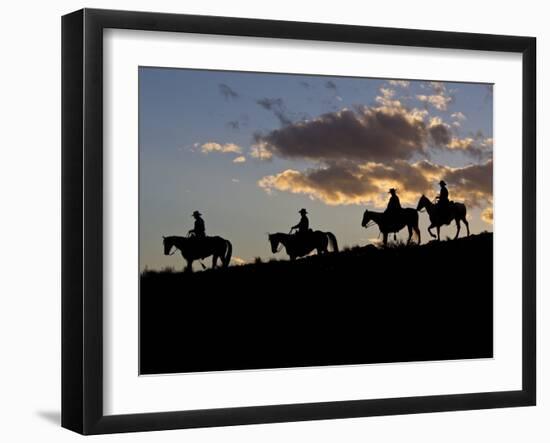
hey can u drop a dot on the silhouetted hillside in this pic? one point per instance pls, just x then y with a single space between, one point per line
363 305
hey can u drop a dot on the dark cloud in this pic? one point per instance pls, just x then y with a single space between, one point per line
369 134
304 84
440 134
329 84
227 92
278 108
472 183
383 133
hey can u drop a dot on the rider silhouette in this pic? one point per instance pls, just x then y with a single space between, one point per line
303 225
394 205
443 199
199 230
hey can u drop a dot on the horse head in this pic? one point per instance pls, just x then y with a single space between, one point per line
274 240
168 244
424 202
366 218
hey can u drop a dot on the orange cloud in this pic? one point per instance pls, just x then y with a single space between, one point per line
368 183
487 215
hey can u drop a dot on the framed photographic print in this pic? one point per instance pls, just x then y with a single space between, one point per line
269 221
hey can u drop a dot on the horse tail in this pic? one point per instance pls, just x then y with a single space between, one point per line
228 252
333 241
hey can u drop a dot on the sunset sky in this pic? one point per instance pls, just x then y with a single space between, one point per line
248 150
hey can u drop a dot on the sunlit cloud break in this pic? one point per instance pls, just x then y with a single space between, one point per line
239 159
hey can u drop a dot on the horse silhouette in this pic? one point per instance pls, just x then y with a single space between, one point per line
194 248
388 223
455 211
298 245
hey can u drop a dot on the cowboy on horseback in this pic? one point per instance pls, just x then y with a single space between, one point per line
443 200
394 205
393 209
199 230
303 225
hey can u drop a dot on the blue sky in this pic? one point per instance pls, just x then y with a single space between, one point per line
248 150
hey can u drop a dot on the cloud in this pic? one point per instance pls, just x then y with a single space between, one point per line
381 133
400 83
233 124
239 159
304 84
439 102
458 116
227 148
227 92
474 147
277 107
260 152
368 183
440 99
487 215
440 132
472 183
463 144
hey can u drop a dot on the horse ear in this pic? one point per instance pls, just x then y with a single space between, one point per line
163 237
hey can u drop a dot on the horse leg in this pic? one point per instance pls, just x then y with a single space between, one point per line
430 231
467 226
457 221
385 238
410 234
189 267
214 261
417 233
438 236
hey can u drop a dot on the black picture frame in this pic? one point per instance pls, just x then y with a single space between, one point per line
82 220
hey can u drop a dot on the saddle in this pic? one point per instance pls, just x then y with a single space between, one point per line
197 238
445 213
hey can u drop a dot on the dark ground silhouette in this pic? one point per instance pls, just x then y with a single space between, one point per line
363 305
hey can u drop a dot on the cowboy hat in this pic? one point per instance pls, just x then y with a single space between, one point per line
442 183
302 211
392 190
196 214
